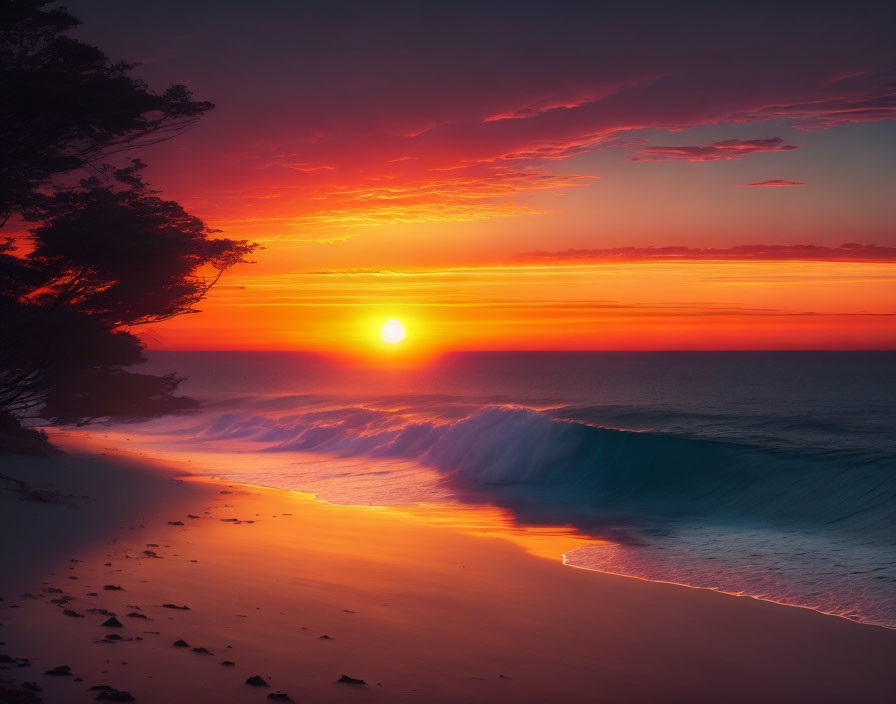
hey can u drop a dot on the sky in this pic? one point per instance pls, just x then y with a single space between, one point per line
513 175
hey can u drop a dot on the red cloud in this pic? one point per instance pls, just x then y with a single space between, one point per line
725 150
849 252
776 182
430 90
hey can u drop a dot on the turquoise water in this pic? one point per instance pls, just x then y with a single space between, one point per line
766 474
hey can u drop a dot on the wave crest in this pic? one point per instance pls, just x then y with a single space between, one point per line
519 455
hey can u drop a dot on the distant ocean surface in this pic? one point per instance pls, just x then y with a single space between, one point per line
765 474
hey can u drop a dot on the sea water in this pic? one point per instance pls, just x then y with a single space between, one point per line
766 474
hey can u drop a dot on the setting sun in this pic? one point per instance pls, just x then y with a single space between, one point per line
392 331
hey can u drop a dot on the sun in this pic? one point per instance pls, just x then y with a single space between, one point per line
392 331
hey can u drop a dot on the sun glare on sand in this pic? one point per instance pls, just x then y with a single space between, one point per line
392 331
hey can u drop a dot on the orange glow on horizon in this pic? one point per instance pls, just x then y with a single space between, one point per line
651 305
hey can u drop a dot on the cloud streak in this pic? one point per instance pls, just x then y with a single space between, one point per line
849 252
725 149
776 182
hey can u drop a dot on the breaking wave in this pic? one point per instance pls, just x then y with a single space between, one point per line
529 458
770 475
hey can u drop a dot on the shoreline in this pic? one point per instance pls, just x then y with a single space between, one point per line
734 594
430 613
561 558
490 520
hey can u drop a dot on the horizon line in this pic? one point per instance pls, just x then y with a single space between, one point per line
553 351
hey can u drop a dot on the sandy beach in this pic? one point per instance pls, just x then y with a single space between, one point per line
301 592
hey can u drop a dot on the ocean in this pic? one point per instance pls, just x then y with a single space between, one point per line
763 474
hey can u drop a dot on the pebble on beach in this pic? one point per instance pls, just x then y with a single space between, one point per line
345 679
60 671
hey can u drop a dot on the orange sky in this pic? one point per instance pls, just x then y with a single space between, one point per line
635 305
436 143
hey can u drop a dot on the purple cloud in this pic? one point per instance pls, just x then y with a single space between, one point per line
727 149
850 252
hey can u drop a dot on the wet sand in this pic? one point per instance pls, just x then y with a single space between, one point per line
420 612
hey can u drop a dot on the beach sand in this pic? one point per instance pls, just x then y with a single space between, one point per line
421 612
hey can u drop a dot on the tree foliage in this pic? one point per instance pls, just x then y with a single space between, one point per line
124 256
104 252
65 105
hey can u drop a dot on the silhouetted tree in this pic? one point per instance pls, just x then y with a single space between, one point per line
101 256
65 105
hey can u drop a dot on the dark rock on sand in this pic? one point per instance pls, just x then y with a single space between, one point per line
257 681
111 622
134 614
113 637
181 643
60 671
325 637
279 697
19 662
228 663
175 606
71 612
113 588
200 649
151 553
10 692
115 695
345 679
175 523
